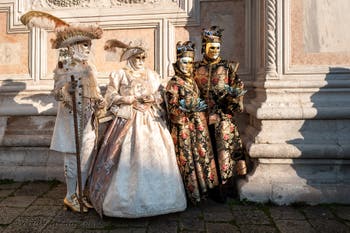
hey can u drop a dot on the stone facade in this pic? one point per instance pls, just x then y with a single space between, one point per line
294 61
299 117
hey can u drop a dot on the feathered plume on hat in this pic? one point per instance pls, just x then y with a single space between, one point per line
128 50
42 20
185 49
66 34
211 35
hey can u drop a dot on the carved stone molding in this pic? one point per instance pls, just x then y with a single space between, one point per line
109 14
38 54
106 12
271 38
57 4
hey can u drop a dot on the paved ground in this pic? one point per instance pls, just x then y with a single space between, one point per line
37 207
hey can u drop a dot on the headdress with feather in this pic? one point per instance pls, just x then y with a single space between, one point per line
66 34
128 50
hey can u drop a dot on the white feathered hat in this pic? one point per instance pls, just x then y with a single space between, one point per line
66 34
128 50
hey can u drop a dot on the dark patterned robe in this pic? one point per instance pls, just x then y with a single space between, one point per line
215 80
191 138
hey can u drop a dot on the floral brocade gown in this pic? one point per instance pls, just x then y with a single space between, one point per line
215 79
191 138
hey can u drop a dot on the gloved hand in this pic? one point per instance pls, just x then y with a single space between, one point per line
234 92
198 106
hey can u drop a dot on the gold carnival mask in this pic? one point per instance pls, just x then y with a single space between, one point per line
212 50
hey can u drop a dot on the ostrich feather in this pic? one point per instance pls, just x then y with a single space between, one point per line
42 20
110 45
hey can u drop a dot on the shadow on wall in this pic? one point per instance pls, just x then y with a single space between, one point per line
8 86
323 164
25 120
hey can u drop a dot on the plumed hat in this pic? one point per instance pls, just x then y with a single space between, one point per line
73 34
128 50
66 34
185 49
211 35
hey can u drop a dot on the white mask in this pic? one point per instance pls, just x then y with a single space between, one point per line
138 61
186 65
81 51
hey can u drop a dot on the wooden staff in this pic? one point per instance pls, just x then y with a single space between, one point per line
77 144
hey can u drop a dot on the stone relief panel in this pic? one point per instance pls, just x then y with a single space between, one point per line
57 4
109 61
13 51
52 54
318 34
10 53
326 26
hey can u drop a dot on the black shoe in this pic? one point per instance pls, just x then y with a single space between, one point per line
218 194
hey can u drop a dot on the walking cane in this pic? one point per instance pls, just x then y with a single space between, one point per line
77 145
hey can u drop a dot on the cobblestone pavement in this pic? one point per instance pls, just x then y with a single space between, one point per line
31 207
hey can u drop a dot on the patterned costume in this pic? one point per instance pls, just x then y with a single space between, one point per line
189 130
223 91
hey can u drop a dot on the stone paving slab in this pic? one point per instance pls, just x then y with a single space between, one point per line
10 186
331 226
251 216
162 226
221 228
286 213
192 219
8 214
342 212
294 226
5 192
217 212
33 189
37 207
44 201
49 211
17 201
60 227
258 229
129 230
27 225
317 212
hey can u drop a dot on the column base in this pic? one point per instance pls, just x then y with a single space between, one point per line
288 181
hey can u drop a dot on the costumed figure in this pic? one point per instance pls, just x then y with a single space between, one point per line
223 92
188 126
79 101
135 173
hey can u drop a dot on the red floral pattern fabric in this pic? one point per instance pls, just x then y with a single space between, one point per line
191 138
212 80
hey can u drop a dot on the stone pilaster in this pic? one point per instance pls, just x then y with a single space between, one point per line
299 127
